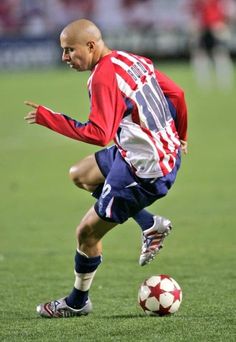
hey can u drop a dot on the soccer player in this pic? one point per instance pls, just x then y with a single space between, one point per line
210 38
145 114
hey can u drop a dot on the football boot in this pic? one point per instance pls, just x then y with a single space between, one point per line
59 309
153 238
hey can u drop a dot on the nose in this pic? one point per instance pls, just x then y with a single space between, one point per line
65 57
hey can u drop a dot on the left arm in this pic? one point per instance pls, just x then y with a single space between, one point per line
177 104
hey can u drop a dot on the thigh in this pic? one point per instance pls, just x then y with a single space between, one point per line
123 194
87 171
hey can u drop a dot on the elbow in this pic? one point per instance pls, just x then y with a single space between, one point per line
180 93
99 136
103 142
103 138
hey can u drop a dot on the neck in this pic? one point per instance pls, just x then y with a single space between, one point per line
104 51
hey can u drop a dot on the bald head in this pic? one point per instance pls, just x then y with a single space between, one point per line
82 31
82 45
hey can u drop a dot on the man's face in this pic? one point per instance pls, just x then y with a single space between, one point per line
77 56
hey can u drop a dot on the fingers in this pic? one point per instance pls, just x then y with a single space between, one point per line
184 146
31 117
31 104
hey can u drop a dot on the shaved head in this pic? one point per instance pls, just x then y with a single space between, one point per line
82 31
82 45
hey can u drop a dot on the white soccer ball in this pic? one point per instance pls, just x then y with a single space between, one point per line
160 295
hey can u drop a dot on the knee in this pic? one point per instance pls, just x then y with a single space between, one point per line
81 235
75 175
85 237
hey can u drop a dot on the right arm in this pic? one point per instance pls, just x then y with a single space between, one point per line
107 108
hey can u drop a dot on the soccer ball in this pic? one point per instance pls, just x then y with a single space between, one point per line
160 295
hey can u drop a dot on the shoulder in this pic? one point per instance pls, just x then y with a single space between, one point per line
167 83
104 71
105 64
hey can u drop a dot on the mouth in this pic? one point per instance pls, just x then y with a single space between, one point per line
70 65
73 66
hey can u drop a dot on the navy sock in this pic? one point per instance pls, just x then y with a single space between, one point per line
77 298
144 219
83 265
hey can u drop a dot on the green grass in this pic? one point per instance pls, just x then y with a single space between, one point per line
40 210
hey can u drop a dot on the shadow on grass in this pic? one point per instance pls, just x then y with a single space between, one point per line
119 316
19 316
133 316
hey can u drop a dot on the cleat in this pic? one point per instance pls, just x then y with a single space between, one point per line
59 309
153 238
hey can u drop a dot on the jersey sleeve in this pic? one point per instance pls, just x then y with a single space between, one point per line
177 104
107 109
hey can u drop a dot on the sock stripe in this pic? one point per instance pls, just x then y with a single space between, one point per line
83 281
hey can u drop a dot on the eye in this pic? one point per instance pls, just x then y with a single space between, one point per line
68 50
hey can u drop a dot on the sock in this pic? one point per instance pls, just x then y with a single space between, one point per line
85 269
144 219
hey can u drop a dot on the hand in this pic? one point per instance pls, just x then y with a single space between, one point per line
184 146
31 116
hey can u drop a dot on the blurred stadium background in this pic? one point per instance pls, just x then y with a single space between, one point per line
40 208
155 27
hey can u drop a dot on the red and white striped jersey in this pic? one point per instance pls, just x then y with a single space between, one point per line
129 106
146 137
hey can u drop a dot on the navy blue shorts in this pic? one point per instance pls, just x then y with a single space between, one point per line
124 194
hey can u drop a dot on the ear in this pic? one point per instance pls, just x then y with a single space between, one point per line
91 45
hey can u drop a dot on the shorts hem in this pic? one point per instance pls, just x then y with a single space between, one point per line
107 219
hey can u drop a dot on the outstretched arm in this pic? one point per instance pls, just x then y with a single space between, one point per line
89 132
107 109
106 112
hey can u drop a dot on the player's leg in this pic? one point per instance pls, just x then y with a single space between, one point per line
153 237
154 227
86 174
88 255
87 259
223 66
89 174
201 59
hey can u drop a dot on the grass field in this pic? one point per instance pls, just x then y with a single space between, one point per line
40 209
